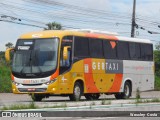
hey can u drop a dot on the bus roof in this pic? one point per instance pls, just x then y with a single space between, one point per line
61 33
133 39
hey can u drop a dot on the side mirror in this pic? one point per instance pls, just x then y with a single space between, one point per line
65 52
7 54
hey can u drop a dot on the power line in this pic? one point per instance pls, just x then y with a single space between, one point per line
73 19
74 7
80 15
22 23
65 16
68 9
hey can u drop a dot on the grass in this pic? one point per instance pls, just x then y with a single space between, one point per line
20 106
105 102
64 105
31 106
138 96
157 83
5 79
57 106
93 103
90 106
147 101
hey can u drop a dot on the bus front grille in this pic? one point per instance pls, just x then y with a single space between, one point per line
32 84
32 89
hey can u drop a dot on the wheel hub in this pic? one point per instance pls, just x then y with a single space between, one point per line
77 91
126 90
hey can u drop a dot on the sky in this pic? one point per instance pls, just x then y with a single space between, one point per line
108 15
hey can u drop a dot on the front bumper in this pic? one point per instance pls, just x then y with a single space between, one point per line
40 88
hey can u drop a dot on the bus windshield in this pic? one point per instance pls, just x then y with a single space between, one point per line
35 57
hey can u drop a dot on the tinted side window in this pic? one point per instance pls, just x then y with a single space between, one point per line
81 47
134 49
109 48
123 50
138 51
143 52
96 48
149 52
146 52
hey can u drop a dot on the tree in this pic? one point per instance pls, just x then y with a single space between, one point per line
157 62
53 26
9 45
157 59
157 46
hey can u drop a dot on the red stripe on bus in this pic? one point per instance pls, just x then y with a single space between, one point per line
101 36
92 35
54 75
89 80
117 83
110 37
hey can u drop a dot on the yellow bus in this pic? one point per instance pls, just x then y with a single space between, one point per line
79 63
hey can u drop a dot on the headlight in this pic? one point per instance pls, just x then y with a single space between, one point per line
51 81
15 83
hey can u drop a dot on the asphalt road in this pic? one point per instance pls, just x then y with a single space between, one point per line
10 98
7 99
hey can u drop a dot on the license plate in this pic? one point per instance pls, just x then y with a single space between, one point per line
31 89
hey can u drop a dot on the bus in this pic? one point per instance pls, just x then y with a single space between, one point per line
79 63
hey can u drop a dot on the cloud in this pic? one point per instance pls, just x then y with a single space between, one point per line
149 9
92 4
10 33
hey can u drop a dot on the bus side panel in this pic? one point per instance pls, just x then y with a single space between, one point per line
104 82
90 77
102 76
64 83
141 73
67 80
116 84
97 79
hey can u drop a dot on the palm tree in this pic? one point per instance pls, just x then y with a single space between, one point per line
53 26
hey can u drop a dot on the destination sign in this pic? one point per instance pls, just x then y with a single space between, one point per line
23 47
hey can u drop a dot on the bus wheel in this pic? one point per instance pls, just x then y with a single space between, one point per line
92 96
126 92
37 97
77 92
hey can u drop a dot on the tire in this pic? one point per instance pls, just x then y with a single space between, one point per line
77 92
37 97
92 96
126 92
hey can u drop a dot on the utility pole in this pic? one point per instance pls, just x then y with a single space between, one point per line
133 19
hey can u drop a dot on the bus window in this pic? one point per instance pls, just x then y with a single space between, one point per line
81 47
149 52
66 64
109 51
96 49
123 50
146 52
134 50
